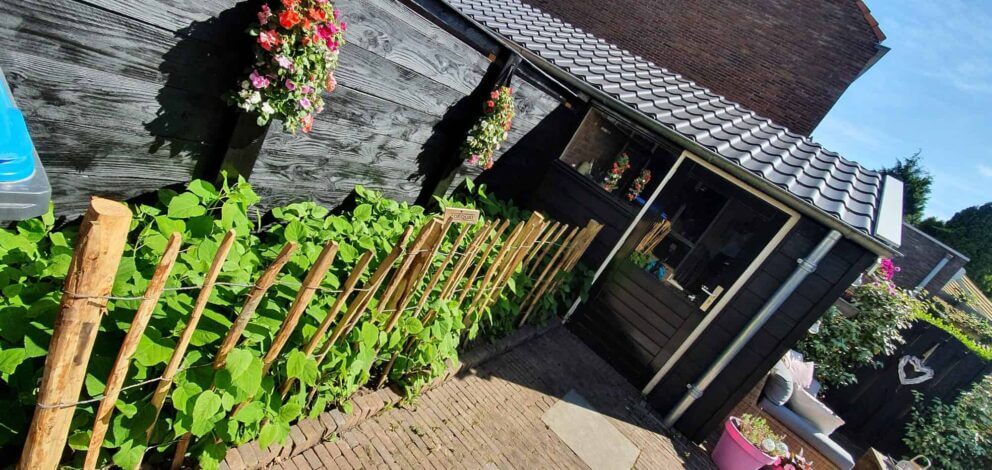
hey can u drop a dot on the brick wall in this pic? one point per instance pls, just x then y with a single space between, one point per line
597 140
789 60
919 255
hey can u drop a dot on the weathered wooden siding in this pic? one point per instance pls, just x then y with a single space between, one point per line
125 97
401 77
122 97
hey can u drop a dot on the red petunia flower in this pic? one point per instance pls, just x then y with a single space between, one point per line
290 4
289 18
268 39
317 14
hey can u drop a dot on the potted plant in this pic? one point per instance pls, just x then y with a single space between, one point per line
747 443
793 461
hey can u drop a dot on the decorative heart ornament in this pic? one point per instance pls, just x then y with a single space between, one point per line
921 373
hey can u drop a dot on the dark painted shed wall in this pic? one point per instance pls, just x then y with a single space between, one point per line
811 299
125 97
633 327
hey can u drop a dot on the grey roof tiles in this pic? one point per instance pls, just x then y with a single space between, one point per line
790 161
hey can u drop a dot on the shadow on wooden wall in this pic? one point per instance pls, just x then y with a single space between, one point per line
210 56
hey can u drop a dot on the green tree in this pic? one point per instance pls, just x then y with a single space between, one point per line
970 232
917 182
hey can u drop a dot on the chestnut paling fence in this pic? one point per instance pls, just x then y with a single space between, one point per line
409 276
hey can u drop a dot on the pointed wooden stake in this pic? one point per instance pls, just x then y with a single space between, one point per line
162 389
118 373
255 295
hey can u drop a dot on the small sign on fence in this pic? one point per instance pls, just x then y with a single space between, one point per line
461 216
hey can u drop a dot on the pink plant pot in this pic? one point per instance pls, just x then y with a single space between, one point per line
734 452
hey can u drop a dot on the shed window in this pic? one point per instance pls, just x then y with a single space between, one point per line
602 140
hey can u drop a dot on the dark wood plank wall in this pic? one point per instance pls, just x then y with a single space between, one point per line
636 321
125 97
401 76
811 299
877 407
574 199
122 98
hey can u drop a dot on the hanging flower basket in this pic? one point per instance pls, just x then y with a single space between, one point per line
295 58
612 179
492 129
640 182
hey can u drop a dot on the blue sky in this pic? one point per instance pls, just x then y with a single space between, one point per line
932 91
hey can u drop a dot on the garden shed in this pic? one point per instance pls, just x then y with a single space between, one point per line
725 235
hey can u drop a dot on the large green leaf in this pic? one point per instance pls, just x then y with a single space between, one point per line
184 206
251 413
10 359
369 335
129 455
363 212
206 412
301 367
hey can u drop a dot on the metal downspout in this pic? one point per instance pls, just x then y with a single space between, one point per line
805 268
933 272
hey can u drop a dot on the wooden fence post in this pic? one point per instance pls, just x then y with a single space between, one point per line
102 237
162 390
547 275
118 373
482 261
550 242
303 297
255 295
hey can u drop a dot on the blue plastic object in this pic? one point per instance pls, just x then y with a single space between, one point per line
16 149
24 188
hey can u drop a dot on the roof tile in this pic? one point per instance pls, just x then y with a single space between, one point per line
790 161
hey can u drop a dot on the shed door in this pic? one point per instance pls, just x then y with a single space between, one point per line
649 301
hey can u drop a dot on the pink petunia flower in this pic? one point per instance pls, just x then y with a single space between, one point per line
258 80
331 83
290 85
284 62
268 39
326 31
474 159
264 15
305 102
306 89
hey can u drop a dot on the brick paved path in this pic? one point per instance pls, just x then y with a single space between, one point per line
491 418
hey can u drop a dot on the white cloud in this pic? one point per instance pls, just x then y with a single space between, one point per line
985 170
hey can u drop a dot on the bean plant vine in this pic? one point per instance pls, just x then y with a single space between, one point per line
35 255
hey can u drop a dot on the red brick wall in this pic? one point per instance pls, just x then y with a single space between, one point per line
788 60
